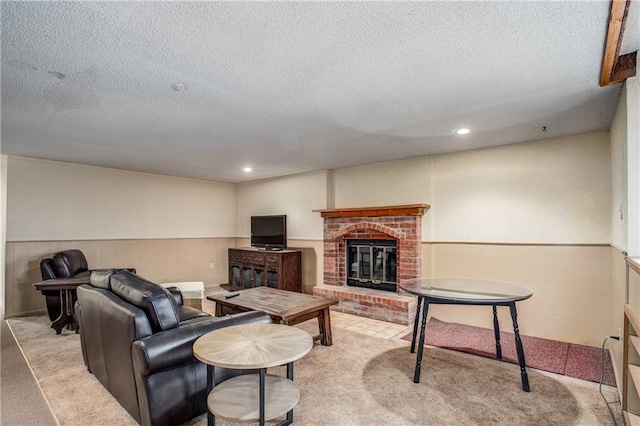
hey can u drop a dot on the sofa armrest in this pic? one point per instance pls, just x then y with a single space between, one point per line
188 314
171 348
177 295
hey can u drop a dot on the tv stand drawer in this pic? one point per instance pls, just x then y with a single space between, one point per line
248 257
253 258
235 256
272 260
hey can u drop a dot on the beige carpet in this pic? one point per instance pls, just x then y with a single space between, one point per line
360 380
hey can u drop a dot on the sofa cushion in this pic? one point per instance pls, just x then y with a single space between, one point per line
188 313
101 278
164 350
69 263
156 302
47 269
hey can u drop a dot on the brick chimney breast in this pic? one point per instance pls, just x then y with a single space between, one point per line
400 223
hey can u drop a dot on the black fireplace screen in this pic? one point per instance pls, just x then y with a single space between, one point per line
372 264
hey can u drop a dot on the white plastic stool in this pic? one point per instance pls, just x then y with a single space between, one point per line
192 292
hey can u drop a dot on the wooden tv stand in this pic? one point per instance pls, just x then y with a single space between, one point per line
250 267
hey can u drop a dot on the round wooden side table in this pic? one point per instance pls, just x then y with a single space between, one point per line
252 397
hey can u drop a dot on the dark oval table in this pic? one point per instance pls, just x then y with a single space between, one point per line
467 291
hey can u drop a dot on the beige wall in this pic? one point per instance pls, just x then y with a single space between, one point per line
52 201
159 260
618 134
546 203
619 228
386 184
625 210
169 229
296 196
554 191
632 90
548 200
571 298
526 195
3 229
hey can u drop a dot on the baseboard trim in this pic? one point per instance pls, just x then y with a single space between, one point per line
27 314
482 243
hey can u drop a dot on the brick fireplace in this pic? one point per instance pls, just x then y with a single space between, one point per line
402 224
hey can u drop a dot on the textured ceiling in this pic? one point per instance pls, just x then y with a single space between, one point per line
296 86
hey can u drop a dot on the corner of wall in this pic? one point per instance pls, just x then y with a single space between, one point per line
632 86
331 190
3 229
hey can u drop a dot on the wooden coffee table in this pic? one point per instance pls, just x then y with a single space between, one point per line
285 307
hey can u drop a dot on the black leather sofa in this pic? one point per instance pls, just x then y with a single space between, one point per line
137 340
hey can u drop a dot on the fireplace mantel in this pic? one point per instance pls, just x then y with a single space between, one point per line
404 210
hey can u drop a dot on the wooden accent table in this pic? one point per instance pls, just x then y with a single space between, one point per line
252 397
67 288
285 307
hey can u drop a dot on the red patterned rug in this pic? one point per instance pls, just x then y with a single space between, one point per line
579 361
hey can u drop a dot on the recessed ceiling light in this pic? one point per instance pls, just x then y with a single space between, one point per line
462 131
247 169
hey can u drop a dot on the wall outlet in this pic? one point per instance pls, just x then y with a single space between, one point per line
211 265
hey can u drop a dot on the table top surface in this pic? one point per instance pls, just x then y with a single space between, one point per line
467 290
281 303
250 346
62 283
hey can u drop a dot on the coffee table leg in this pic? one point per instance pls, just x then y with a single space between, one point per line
415 326
262 380
324 325
496 332
211 420
290 377
290 370
519 348
416 374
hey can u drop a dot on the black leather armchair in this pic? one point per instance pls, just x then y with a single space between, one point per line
65 264
137 340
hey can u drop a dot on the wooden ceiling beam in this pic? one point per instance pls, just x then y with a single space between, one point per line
624 68
615 30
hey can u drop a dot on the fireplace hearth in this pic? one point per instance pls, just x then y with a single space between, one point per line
372 264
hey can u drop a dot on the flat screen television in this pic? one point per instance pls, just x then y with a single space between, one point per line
269 232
